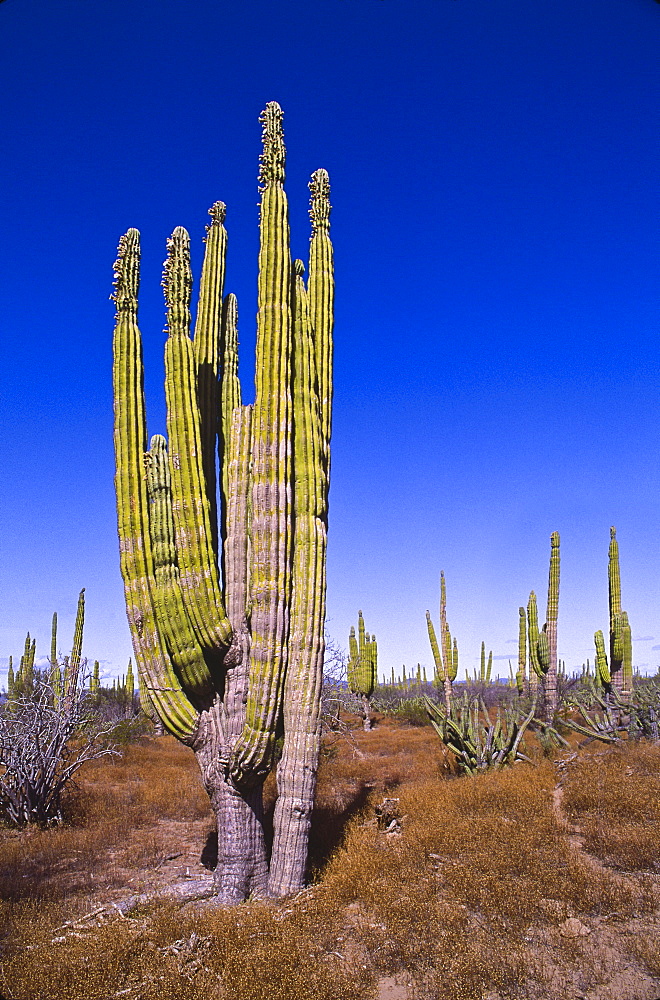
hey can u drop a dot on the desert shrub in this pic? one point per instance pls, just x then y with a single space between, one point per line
44 740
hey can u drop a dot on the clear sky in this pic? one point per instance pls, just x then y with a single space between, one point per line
494 170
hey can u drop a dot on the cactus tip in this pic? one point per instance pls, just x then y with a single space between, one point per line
126 270
218 213
177 279
299 268
273 156
319 203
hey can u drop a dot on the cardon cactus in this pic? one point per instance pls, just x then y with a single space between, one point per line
445 653
226 613
543 645
620 634
521 674
363 667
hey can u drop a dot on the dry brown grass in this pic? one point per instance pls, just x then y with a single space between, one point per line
613 794
475 897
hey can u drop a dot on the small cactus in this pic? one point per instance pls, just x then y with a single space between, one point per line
363 668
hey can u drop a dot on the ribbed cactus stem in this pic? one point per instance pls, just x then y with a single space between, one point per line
602 668
206 349
198 568
161 685
435 649
533 636
172 620
229 400
321 288
55 674
621 672
72 671
296 778
272 529
130 685
521 675
550 683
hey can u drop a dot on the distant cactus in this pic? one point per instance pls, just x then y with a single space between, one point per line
543 645
620 634
521 674
445 653
227 618
363 668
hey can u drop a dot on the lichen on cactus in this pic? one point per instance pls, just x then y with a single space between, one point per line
226 606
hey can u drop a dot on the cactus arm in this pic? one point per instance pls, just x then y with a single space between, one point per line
374 664
55 675
236 547
353 660
435 649
199 580
159 680
172 620
602 668
206 350
53 641
271 468
533 635
321 287
522 651
551 628
72 671
229 399
627 670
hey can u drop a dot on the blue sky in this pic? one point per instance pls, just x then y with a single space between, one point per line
494 182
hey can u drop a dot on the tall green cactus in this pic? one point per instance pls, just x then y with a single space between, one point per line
227 608
445 652
363 668
521 674
543 645
620 634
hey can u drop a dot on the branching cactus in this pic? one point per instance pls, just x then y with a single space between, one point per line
543 645
226 609
363 668
620 634
445 653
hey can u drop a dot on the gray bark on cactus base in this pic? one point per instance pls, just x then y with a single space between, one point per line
368 722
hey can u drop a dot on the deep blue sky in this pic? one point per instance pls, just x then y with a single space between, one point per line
494 170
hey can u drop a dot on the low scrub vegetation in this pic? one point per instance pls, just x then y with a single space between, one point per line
541 880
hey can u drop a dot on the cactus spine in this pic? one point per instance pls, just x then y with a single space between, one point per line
226 609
